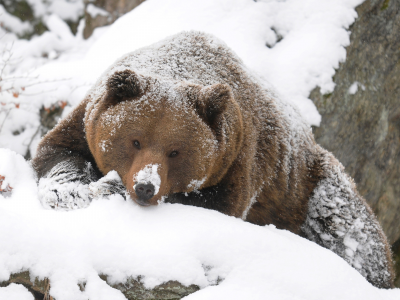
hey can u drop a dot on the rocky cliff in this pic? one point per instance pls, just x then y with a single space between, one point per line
361 118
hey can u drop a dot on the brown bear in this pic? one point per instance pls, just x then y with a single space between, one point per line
184 121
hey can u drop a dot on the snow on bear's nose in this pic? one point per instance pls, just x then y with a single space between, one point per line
147 183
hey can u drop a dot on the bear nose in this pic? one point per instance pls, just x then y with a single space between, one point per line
144 192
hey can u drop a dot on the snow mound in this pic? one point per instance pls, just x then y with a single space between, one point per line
9 163
15 292
168 242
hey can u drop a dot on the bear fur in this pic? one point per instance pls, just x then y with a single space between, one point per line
190 116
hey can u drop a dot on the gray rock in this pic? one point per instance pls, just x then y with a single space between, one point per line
361 126
133 289
363 129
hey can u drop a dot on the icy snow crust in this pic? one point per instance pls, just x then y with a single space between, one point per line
175 242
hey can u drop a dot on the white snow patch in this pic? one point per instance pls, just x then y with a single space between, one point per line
196 184
102 187
66 9
95 11
104 144
175 242
12 23
148 174
354 87
60 28
15 292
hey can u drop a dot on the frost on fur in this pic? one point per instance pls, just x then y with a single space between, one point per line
149 174
65 187
340 220
196 184
107 185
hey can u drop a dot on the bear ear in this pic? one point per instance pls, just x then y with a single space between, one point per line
213 101
124 84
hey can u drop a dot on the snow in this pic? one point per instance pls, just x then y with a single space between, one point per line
15 292
65 9
60 28
102 187
94 11
196 184
354 87
295 45
161 243
305 38
12 23
148 175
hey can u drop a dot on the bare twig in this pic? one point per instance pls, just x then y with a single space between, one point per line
7 60
33 136
5 118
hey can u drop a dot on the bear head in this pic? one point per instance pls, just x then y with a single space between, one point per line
163 137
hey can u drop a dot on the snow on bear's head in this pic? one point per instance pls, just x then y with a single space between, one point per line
161 136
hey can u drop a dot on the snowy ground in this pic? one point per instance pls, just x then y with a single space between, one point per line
305 39
167 242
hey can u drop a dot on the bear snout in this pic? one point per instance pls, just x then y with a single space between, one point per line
144 192
144 185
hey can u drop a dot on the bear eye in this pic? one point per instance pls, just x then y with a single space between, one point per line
136 144
173 154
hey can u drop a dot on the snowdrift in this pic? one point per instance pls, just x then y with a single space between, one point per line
168 242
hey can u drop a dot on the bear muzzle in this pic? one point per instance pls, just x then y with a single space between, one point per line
144 186
144 192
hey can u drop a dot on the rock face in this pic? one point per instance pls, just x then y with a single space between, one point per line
132 289
361 118
104 12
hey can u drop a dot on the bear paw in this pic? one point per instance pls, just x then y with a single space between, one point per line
64 196
108 185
